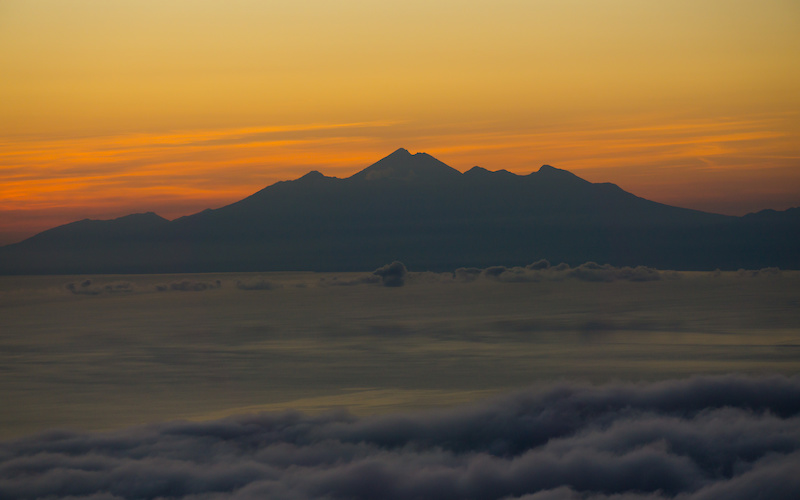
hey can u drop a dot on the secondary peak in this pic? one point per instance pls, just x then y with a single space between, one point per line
400 152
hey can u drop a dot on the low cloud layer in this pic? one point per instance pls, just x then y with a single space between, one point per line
87 287
396 275
364 279
256 284
715 437
188 285
543 271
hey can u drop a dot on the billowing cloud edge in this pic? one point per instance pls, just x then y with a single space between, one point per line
705 437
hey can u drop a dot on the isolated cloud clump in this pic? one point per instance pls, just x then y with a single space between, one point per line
538 265
727 437
393 274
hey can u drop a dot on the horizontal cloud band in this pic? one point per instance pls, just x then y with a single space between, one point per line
706 437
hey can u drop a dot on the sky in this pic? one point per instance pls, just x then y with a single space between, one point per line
111 108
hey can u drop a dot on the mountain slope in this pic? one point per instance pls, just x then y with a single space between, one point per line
416 209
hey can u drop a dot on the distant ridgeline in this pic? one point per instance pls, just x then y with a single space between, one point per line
416 209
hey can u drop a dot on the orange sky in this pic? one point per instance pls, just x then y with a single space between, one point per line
110 108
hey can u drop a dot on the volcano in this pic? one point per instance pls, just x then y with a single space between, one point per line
414 208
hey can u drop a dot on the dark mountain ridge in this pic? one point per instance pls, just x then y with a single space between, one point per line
414 208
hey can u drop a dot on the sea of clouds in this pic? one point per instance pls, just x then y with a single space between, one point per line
731 437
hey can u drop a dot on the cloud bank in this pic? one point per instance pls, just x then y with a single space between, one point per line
708 437
395 274
87 287
256 284
590 271
188 285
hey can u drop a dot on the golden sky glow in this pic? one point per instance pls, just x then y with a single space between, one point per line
110 108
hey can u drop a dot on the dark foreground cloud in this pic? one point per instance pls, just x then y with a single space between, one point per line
715 437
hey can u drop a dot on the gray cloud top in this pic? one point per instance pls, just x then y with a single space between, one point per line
707 437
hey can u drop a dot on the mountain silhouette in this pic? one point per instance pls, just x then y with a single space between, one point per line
414 208
403 166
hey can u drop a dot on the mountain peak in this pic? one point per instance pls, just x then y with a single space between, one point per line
476 170
399 152
403 166
549 172
314 174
